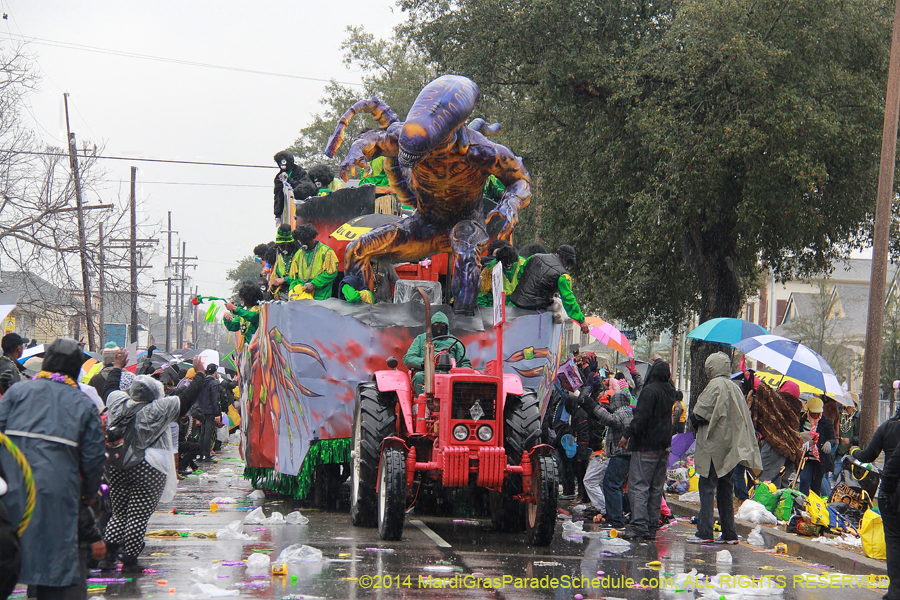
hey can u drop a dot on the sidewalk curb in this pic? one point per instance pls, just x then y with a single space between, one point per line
840 560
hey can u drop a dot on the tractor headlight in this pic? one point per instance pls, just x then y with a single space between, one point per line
461 433
485 433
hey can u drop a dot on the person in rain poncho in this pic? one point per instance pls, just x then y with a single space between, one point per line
58 430
135 491
725 439
415 356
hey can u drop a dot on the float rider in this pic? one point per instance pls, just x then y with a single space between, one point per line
313 268
415 356
354 290
285 248
248 315
545 275
513 266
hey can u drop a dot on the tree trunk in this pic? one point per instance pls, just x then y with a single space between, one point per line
709 255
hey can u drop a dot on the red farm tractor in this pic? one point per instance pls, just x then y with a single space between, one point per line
467 429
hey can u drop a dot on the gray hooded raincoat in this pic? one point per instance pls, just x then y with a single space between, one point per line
58 429
729 439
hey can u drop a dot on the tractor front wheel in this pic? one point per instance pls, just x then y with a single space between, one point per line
374 419
541 515
391 494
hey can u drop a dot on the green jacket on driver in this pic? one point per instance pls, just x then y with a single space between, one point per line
415 356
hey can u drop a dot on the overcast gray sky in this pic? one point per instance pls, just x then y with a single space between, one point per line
153 109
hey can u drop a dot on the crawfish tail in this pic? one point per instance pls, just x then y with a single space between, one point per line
483 128
381 112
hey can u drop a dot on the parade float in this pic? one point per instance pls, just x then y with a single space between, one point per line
301 371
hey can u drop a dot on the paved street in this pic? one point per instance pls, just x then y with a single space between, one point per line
436 547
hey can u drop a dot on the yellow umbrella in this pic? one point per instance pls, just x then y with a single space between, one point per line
774 380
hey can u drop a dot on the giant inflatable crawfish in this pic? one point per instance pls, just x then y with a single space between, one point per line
438 165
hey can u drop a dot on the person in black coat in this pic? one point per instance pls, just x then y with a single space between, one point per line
819 459
209 400
886 437
297 178
649 436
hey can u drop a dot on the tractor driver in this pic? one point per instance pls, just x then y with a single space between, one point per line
415 356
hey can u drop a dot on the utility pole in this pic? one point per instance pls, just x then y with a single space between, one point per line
195 330
169 232
134 270
872 360
181 298
181 264
82 242
102 280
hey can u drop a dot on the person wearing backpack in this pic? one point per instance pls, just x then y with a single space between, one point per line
141 470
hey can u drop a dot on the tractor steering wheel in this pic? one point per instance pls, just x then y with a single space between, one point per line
456 341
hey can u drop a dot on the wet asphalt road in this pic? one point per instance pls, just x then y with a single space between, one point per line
357 561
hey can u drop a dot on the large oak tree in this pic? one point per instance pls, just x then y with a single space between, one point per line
681 145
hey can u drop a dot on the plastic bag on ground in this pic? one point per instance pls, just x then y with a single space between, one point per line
724 557
207 590
299 553
686 581
755 512
258 560
205 574
690 497
223 500
295 518
755 538
573 527
257 495
255 517
234 531
824 540
732 587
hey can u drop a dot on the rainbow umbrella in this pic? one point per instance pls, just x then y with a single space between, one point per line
609 336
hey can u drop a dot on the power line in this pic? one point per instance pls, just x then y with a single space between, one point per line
128 158
246 185
72 46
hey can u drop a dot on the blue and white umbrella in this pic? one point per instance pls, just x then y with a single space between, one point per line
793 359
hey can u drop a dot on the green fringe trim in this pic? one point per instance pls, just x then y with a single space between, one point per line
321 452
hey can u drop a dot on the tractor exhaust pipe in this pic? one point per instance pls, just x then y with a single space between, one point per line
428 364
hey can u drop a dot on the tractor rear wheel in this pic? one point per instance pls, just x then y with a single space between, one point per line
541 516
374 418
391 494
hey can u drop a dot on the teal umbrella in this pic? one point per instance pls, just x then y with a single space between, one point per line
726 331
